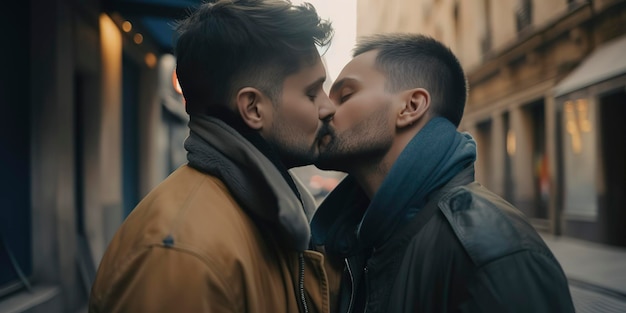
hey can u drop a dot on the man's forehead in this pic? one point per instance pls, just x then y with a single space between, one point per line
309 73
312 65
358 68
360 63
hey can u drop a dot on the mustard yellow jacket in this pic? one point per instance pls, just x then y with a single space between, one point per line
190 247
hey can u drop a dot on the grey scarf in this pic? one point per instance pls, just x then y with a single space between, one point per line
256 183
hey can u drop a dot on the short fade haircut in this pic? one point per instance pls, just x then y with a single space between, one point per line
414 60
230 44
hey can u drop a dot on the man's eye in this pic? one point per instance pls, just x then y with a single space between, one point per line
345 98
312 97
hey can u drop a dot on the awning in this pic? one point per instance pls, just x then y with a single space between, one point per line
155 17
607 61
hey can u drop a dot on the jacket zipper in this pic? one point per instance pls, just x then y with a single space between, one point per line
352 286
302 298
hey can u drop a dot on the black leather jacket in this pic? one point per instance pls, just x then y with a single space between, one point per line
467 250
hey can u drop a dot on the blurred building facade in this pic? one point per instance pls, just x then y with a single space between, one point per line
547 94
91 122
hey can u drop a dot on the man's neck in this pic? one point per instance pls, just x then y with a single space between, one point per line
371 176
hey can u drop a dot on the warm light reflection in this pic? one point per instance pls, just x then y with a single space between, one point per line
138 38
577 122
176 83
511 145
150 59
127 26
572 127
583 115
111 47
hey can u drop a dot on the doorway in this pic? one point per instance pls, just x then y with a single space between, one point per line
613 143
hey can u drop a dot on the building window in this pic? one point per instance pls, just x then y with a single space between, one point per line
130 140
15 213
457 16
523 14
485 42
571 4
15 166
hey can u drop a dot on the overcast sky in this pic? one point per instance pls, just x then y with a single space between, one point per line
342 14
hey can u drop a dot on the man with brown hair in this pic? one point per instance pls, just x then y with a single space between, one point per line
229 232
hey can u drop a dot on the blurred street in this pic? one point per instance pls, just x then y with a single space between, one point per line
94 119
596 272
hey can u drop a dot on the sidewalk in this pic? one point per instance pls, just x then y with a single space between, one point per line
596 272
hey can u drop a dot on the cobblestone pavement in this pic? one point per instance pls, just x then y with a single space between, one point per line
597 273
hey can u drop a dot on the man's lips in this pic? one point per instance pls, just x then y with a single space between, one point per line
324 136
324 140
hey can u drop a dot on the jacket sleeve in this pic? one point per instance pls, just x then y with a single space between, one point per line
168 280
525 281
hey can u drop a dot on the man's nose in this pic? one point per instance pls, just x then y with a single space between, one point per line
327 108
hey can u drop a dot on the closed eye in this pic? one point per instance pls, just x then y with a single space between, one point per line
313 90
343 89
345 98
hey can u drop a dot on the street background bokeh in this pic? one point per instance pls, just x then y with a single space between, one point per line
92 120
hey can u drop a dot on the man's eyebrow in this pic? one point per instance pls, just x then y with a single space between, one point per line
320 81
338 84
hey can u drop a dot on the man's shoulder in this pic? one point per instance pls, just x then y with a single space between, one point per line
190 219
487 226
189 211
185 180
184 198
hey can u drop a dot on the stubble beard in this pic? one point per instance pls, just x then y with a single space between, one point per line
291 150
363 146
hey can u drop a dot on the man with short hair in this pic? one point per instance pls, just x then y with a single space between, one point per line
228 231
416 232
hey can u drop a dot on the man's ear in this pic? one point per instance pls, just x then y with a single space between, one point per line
250 105
416 104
